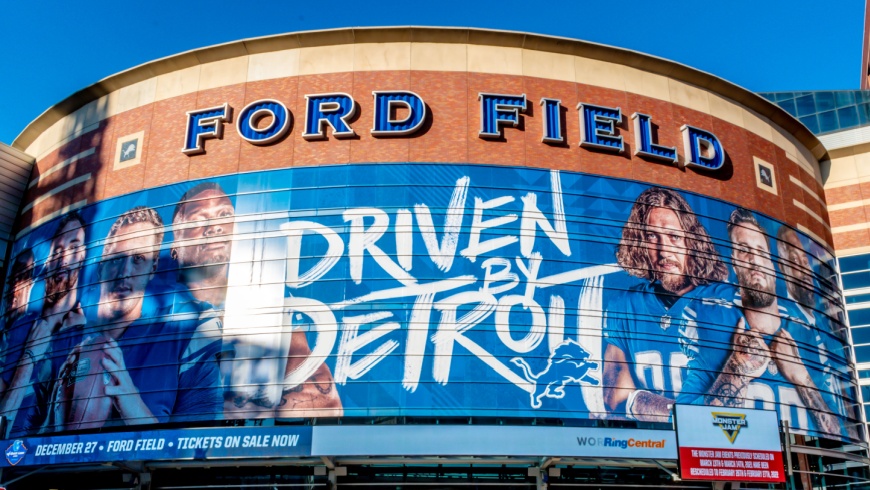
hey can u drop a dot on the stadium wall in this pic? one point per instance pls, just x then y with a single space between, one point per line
550 239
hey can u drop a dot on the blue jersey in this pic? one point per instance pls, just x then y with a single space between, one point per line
769 391
34 408
652 335
153 351
205 343
173 387
12 344
826 359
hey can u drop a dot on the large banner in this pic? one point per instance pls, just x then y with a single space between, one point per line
419 290
339 440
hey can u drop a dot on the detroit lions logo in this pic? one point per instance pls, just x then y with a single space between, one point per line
568 363
129 150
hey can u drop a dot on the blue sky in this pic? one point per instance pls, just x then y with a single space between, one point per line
52 48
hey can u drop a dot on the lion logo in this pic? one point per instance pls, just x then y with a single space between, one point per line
568 363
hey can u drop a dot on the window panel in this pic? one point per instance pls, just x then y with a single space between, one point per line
856 280
855 263
859 317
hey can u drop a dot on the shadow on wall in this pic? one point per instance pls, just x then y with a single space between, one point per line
73 158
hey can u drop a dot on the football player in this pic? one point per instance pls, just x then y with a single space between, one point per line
56 331
204 222
664 244
763 364
823 317
130 365
17 318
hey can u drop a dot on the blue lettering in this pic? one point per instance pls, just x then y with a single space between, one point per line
497 110
387 102
598 127
552 109
703 149
644 140
333 110
204 124
254 112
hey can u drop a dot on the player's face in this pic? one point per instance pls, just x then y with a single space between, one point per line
796 266
750 256
666 245
19 290
205 231
64 263
128 264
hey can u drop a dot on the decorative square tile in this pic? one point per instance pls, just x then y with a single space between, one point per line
128 151
765 175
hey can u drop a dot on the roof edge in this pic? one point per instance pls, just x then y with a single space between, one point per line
449 35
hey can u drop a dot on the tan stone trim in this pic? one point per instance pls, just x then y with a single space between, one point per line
48 195
847 252
803 207
815 237
848 205
51 216
809 191
693 88
848 228
62 165
844 183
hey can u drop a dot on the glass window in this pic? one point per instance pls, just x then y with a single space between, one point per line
789 106
858 298
863 374
824 101
848 116
844 98
865 393
805 105
858 318
861 336
811 122
856 280
855 263
864 113
862 353
828 121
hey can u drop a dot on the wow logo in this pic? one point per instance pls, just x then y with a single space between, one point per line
730 423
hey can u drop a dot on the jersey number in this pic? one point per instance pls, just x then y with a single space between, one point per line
650 370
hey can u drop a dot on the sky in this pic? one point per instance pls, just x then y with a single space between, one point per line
51 49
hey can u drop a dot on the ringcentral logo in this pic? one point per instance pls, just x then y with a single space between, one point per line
620 443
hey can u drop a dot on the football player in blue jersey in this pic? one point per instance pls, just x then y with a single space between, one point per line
17 318
823 318
137 359
204 223
795 266
762 364
664 244
794 263
57 327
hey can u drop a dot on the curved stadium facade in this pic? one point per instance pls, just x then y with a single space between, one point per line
394 257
